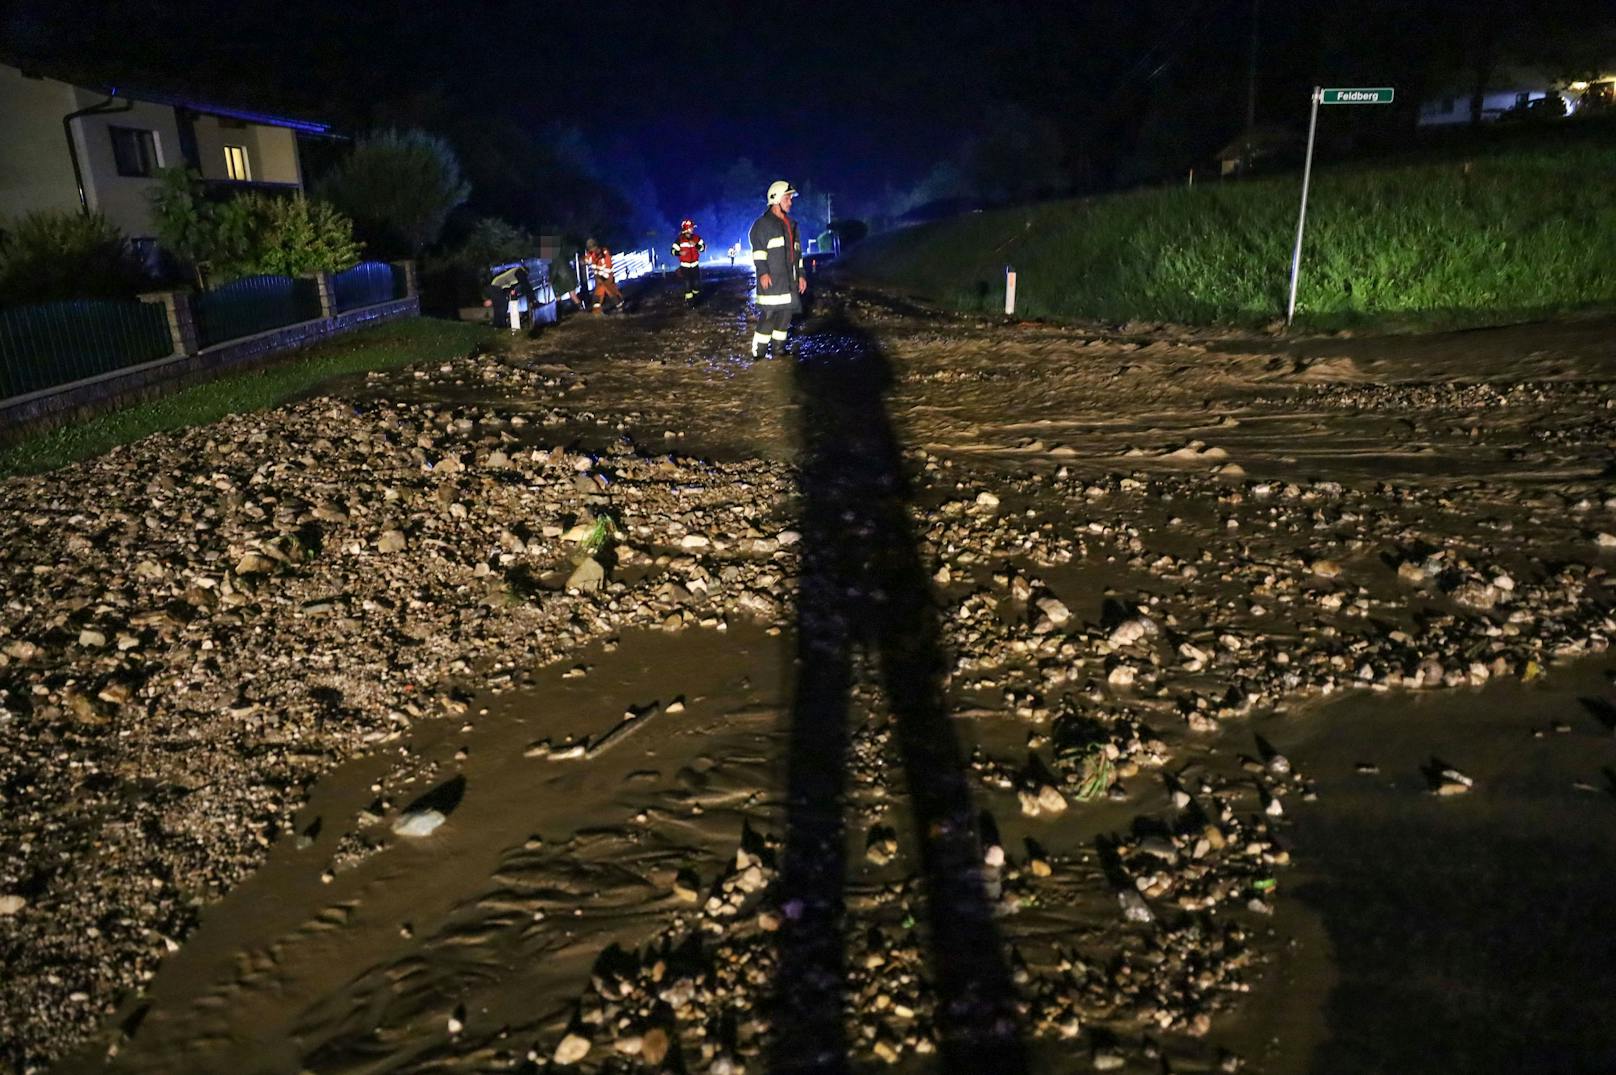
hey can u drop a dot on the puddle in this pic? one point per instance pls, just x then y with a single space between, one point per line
1452 934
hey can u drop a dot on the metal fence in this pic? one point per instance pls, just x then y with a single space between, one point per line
366 284
60 342
253 304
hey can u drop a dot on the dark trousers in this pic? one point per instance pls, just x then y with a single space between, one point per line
772 325
691 276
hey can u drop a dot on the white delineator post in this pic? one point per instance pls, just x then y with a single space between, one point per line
1009 290
1301 217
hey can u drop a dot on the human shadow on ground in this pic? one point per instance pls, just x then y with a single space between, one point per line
864 592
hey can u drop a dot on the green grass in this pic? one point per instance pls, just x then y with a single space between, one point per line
1502 236
398 343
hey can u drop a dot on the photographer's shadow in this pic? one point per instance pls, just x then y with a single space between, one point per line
864 588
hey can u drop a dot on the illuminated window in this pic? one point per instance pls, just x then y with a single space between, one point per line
235 163
134 150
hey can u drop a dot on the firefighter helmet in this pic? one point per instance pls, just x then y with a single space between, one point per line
590 244
778 190
687 224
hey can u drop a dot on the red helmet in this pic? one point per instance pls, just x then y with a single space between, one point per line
687 224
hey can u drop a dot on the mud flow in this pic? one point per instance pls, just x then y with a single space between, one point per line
940 694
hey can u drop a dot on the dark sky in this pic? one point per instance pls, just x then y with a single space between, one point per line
848 96
855 94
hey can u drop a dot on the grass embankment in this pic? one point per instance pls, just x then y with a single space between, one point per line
1500 237
388 346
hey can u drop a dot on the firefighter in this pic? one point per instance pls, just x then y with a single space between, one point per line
688 248
777 257
600 263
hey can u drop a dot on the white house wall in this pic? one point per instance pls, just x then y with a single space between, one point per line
125 200
35 170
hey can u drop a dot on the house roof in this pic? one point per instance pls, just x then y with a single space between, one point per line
173 100
302 126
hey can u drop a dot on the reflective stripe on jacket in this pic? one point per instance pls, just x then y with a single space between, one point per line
688 248
777 253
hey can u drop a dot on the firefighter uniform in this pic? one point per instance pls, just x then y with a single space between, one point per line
688 249
777 254
600 263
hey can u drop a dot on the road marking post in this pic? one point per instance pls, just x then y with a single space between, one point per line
1009 290
1370 95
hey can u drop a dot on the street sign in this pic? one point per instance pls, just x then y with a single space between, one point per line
1363 95
1374 95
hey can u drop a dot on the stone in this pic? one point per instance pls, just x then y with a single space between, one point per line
391 541
11 904
1057 612
654 1045
418 823
589 575
254 563
572 1048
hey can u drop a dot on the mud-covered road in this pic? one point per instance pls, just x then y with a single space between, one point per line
949 695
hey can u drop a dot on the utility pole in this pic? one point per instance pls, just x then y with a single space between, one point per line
1251 69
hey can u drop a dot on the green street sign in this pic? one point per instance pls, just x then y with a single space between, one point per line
1374 95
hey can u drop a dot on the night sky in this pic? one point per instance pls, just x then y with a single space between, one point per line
858 98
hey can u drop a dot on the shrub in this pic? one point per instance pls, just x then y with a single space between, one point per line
250 233
399 187
53 254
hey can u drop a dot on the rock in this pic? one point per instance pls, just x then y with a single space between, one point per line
1411 572
589 575
1057 612
654 1045
391 541
92 639
418 823
694 541
1326 569
11 904
1605 540
1121 676
1128 632
986 500
573 1048
1050 800
254 563
1105 1060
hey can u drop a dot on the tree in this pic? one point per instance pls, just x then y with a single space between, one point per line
399 187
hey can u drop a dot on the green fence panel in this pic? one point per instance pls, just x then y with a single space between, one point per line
251 305
59 342
365 284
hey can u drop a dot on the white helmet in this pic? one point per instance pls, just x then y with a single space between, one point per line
779 189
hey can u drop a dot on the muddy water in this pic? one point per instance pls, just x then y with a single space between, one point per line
1415 933
1432 933
499 913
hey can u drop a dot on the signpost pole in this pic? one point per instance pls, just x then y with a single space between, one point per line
1301 217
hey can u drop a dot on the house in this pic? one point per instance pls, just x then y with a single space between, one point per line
1518 92
99 148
